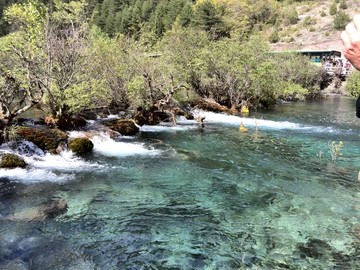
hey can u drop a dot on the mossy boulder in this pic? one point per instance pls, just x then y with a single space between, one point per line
81 146
8 160
44 138
126 127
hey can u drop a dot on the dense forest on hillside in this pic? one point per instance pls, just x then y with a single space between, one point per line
74 55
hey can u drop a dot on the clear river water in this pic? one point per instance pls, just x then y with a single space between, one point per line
187 197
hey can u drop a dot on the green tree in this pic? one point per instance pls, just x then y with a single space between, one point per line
209 19
21 60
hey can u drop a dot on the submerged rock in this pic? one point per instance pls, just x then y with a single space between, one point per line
126 127
44 138
314 248
81 146
48 210
8 160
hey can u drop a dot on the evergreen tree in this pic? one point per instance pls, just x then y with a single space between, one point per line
207 18
186 15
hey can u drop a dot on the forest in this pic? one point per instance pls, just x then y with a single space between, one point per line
68 56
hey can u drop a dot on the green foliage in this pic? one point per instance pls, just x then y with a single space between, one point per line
353 84
292 91
333 9
290 16
143 51
208 18
341 20
274 37
343 4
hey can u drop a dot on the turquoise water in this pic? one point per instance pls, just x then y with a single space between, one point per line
193 198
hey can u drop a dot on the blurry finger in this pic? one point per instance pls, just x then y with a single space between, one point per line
345 39
356 22
353 34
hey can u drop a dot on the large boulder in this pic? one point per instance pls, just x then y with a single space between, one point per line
152 116
8 160
126 127
44 138
81 146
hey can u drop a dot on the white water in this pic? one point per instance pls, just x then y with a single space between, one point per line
106 146
46 167
218 118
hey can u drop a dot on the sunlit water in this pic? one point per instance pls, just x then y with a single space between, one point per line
190 198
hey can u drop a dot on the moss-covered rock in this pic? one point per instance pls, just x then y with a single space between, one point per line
8 160
44 138
125 127
81 146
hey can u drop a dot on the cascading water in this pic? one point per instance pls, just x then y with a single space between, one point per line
188 197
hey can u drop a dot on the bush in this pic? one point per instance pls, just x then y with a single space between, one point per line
333 9
274 37
290 16
353 85
343 5
341 20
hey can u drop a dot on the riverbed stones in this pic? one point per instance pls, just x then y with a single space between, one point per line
81 146
8 160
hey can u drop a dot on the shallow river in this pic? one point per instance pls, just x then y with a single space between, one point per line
190 198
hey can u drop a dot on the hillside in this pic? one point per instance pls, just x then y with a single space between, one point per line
315 28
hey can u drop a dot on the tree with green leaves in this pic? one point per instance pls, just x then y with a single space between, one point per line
53 52
21 60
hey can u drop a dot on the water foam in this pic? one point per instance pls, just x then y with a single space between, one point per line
106 146
35 175
215 118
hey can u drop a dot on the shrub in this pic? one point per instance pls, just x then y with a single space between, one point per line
343 5
353 85
333 9
274 37
341 20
